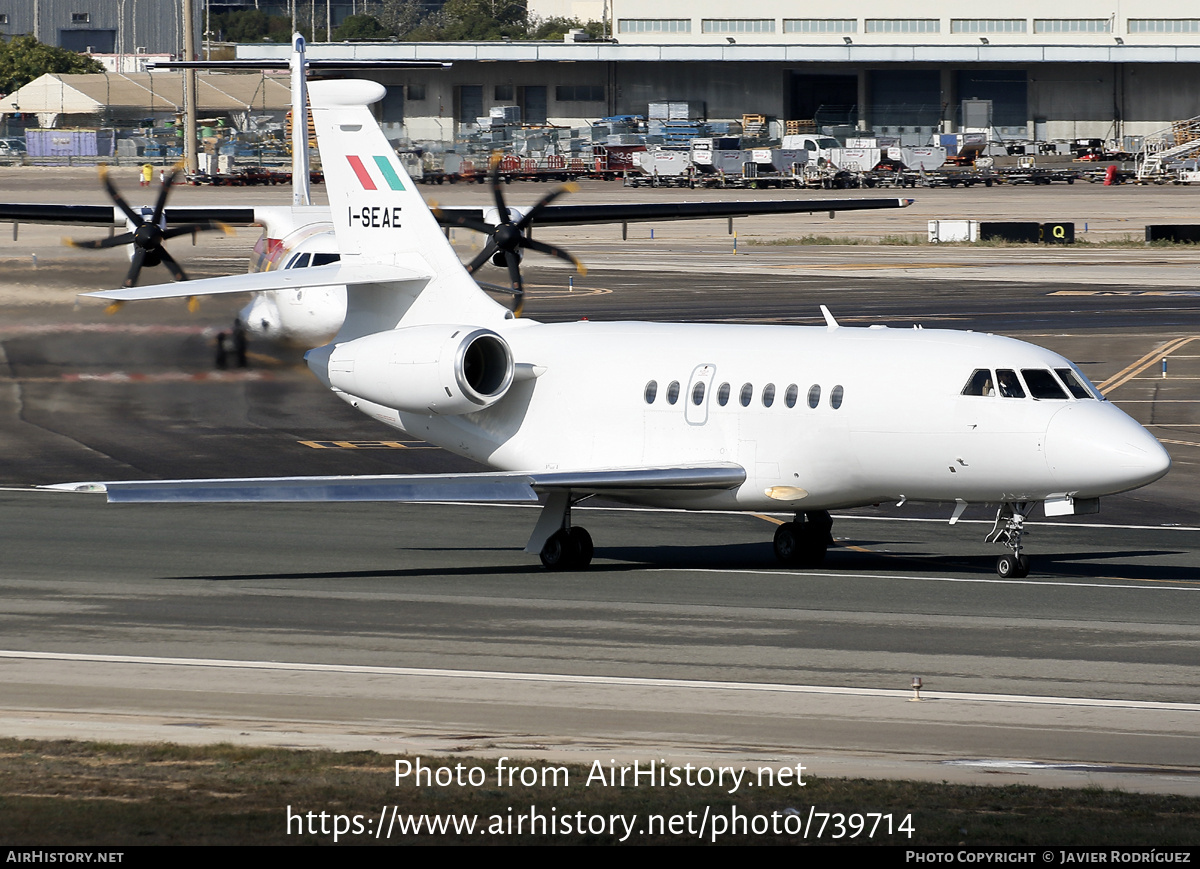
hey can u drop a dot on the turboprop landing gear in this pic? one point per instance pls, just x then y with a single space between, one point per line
802 542
561 545
1008 530
231 347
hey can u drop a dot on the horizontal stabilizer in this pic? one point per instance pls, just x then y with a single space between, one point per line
515 486
336 274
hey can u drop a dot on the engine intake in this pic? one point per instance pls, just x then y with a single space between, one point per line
421 369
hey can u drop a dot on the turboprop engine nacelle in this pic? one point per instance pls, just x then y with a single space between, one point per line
420 369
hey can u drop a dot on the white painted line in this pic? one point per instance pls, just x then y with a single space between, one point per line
1119 582
622 681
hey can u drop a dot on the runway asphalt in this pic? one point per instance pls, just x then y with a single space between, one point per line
426 628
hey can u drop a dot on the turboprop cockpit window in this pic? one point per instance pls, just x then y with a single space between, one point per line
300 262
1042 384
324 259
1010 385
980 383
1077 389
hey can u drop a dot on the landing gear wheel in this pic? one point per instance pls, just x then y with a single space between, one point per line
800 545
567 549
1012 566
583 546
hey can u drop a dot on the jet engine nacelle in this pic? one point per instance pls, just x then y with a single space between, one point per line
421 369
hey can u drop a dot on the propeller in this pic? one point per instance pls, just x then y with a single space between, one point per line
507 239
147 234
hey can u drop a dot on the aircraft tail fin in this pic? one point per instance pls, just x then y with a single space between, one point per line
378 215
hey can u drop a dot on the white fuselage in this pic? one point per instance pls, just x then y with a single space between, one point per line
851 416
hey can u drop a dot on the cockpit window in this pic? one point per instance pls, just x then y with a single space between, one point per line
324 259
1010 386
980 383
300 262
1077 389
1042 384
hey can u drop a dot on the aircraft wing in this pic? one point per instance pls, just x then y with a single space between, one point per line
578 215
513 486
106 215
335 274
551 215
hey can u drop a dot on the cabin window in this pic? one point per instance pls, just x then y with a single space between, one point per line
1077 389
980 383
814 395
1042 384
790 396
723 394
651 391
1010 386
673 392
747 394
768 395
835 397
698 394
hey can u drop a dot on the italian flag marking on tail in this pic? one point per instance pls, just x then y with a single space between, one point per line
385 168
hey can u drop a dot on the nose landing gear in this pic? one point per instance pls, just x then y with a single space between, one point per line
1008 530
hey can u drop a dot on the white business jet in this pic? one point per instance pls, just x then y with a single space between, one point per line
792 419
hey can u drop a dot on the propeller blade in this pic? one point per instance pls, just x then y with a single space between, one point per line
494 180
162 194
116 197
551 250
201 226
514 275
544 201
469 223
169 261
135 267
482 257
100 244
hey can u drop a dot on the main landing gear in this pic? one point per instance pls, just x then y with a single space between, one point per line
231 347
561 545
802 542
1009 527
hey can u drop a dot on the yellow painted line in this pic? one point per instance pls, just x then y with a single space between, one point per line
1134 369
367 445
770 519
855 266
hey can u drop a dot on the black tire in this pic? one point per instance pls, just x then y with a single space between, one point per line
1007 567
800 545
559 552
1022 567
582 541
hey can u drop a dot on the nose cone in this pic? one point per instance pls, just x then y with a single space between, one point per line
1095 449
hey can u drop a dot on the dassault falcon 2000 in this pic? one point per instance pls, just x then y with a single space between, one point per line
791 419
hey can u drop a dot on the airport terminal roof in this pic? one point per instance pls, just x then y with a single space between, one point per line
741 51
149 92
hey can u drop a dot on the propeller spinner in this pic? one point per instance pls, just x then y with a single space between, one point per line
507 239
147 234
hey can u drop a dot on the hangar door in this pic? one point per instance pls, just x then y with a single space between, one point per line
1008 89
830 100
905 102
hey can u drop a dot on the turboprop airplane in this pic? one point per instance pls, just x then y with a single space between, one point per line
792 419
301 235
